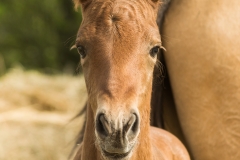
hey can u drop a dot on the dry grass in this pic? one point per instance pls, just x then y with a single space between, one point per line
35 110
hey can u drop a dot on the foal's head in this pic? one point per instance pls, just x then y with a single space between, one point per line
118 42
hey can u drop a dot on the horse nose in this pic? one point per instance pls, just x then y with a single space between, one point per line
118 128
103 126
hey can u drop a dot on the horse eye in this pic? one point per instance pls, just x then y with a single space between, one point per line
81 51
154 51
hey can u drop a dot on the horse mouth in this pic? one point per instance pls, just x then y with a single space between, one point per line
116 155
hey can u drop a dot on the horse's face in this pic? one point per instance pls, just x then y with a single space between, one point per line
118 42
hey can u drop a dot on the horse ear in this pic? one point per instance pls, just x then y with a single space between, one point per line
77 3
155 3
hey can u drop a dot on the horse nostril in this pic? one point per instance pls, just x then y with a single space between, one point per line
132 126
135 126
102 126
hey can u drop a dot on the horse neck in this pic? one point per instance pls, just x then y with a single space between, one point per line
89 150
143 149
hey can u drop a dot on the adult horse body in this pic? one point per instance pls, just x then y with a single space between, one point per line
118 42
202 39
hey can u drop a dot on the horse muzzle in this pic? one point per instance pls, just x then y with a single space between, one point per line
117 137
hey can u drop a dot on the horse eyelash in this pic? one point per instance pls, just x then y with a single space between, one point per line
73 47
163 48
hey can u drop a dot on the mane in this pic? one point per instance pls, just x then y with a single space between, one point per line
77 3
80 135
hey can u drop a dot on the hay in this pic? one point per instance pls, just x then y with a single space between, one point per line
34 113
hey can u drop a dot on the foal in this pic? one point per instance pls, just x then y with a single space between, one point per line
118 42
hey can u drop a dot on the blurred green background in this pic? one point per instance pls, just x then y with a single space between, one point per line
38 35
